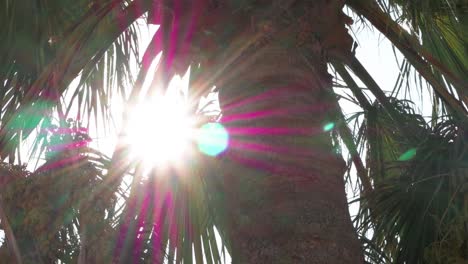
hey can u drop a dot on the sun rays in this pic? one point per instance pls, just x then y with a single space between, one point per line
160 131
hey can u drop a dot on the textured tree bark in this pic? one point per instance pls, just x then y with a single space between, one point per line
282 178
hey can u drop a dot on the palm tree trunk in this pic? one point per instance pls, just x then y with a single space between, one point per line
283 180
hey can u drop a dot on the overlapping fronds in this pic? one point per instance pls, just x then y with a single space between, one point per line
49 209
169 217
62 212
418 183
442 27
417 202
438 57
29 51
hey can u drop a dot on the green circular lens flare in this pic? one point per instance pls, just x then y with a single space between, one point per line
213 139
408 155
328 127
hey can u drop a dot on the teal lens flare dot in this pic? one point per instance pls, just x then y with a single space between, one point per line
408 155
213 139
328 127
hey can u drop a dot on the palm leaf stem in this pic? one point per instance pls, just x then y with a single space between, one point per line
360 96
346 133
347 137
360 71
10 236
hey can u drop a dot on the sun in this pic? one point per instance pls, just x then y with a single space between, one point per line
159 131
163 131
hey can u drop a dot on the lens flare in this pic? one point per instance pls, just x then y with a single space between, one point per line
328 127
213 139
409 154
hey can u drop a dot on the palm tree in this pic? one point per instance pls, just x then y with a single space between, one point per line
277 195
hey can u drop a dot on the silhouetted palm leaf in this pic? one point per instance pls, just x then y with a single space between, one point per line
417 185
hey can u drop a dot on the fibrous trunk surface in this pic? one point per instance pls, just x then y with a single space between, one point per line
282 177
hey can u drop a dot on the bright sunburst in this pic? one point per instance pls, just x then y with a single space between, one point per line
159 131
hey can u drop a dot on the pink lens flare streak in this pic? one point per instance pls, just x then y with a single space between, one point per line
63 162
249 148
275 131
292 171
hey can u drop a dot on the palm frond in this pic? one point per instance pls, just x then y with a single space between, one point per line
90 31
426 65
416 184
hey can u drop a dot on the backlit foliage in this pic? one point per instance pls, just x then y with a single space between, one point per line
81 206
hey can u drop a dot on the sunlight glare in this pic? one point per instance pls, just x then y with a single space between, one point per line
159 131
